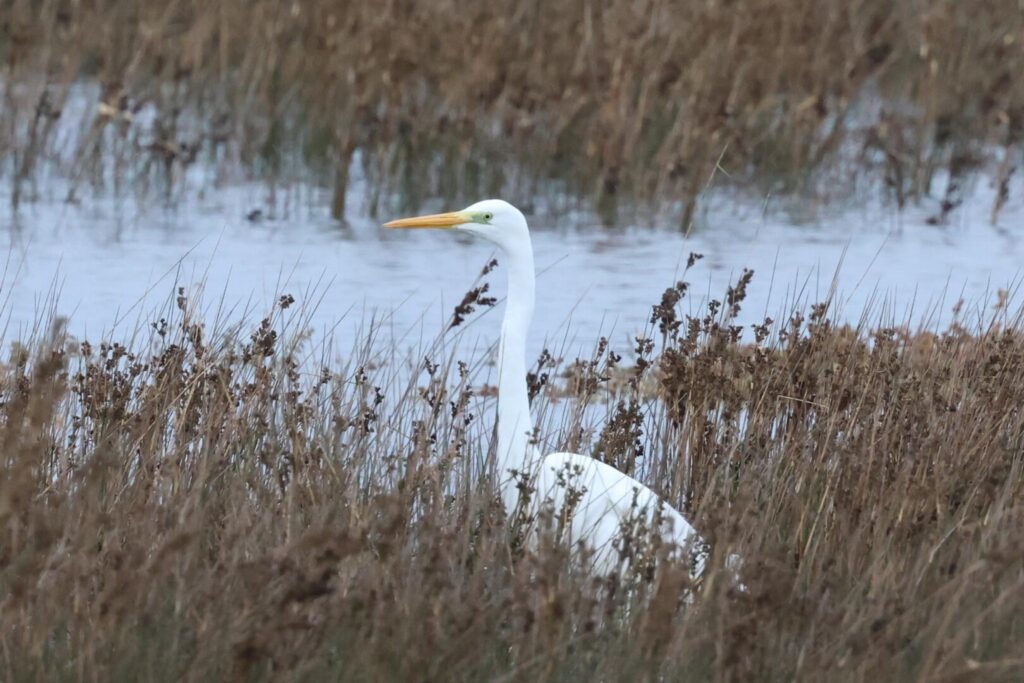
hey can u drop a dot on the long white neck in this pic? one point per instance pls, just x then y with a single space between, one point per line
515 428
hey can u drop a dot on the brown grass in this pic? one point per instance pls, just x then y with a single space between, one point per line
204 506
626 102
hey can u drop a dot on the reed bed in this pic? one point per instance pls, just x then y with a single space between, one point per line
620 104
238 504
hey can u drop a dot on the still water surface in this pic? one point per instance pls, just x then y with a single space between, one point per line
112 267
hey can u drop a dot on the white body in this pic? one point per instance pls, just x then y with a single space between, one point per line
594 501
612 503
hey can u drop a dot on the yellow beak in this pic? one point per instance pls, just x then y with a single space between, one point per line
437 220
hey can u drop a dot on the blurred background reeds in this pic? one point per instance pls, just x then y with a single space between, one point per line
620 103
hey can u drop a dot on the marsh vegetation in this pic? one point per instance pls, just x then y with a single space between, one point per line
618 104
202 504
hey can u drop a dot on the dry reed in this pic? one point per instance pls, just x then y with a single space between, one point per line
203 507
624 103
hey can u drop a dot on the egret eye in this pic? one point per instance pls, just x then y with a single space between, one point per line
488 216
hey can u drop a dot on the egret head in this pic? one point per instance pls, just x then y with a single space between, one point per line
493 219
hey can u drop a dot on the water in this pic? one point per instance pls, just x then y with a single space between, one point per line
112 267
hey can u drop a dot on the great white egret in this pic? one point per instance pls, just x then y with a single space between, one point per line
602 505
